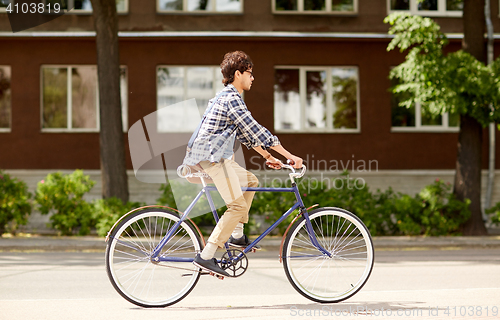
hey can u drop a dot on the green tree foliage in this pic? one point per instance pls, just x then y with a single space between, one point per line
15 206
455 82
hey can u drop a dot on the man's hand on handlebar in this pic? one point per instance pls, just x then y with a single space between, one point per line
295 161
274 163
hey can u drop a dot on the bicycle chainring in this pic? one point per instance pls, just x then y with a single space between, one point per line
235 267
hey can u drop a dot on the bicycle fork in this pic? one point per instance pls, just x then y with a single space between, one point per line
312 236
309 227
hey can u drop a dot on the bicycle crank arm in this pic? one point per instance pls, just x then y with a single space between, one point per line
202 273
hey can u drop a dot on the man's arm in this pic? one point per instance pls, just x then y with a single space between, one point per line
249 132
270 160
297 162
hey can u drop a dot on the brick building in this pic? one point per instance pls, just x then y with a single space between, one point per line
321 84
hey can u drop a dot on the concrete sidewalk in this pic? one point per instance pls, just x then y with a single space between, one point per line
88 243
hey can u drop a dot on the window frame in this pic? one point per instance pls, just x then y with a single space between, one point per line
419 127
328 9
9 129
216 68
329 101
184 10
69 98
441 12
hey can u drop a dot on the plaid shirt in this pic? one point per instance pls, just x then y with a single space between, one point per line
228 118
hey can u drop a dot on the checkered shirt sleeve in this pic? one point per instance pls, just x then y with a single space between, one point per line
248 131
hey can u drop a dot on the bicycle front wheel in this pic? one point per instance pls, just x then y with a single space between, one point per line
319 277
139 278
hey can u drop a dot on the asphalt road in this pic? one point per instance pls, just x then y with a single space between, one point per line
405 284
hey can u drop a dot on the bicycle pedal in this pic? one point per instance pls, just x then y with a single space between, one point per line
217 276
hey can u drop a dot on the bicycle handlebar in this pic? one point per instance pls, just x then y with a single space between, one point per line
294 174
184 171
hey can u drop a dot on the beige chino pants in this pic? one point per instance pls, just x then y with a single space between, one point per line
229 177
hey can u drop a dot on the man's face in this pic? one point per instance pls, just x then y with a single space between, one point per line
247 79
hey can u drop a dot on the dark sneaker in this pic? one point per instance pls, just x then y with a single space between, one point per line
242 242
210 265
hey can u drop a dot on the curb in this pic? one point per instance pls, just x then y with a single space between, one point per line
55 244
98 244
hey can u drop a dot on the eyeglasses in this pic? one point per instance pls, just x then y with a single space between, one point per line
251 73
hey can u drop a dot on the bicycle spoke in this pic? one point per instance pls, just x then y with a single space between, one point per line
139 279
325 278
129 239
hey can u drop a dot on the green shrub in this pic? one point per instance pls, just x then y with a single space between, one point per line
15 205
434 211
494 212
442 213
107 211
407 211
201 213
62 195
272 205
374 210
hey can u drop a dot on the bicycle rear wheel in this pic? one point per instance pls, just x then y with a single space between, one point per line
137 277
329 279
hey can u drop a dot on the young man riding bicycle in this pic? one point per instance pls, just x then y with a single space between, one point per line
227 119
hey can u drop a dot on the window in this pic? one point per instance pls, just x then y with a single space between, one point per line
200 6
84 6
450 8
315 6
415 119
316 99
70 99
176 84
5 99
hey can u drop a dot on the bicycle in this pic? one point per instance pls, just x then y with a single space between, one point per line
327 253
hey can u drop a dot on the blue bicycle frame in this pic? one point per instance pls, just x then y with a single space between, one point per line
206 190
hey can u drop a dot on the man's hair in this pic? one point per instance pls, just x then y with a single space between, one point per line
236 60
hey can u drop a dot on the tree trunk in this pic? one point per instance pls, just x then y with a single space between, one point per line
468 172
112 148
468 165
474 29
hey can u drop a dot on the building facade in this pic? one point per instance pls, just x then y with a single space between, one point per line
321 83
